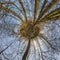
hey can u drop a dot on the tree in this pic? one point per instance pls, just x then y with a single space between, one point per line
31 15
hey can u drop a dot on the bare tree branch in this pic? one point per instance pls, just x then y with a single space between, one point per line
7 47
22 5
10 11
11 3
43 6
36 7
53 15
53 47
27 50
48 7
40 49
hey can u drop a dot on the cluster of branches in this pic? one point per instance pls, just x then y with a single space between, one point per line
42 18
